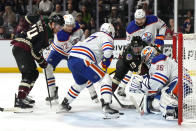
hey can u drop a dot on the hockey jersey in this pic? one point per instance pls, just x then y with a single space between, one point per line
148 31
35 39
63 41
94 47
162 71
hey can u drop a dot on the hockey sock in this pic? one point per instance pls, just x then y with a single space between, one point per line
115 84
31 86
23 91
73 92
51 85
106 93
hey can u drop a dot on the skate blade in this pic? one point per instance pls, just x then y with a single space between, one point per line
60 111
108 116
96 101
53 102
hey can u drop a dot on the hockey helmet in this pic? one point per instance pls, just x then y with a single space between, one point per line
58 19
139 14
147 54
108 28
136 41
136 45
140 17
69 19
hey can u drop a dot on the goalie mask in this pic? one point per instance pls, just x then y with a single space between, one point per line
147 54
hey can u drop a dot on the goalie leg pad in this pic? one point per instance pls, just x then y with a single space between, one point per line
168 104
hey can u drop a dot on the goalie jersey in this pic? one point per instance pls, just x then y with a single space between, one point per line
164 72
63 41
94 47
148 31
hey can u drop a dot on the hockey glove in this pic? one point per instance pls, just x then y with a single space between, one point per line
106 62
42 62
159 41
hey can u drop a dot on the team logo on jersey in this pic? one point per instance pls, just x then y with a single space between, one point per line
147 36
129 57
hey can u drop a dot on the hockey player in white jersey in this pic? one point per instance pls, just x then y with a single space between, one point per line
83 63
60 47
146 27
160 86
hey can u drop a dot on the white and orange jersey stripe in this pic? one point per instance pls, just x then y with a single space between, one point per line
84 52
95 68
107 46
94 48
59 49
160 78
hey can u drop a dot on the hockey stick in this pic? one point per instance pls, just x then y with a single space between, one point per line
140 110
48 88
14 110
112 72
122 105
135 105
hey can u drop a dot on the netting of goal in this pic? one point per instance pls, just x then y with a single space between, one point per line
184 51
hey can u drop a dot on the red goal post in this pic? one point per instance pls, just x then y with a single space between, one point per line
184 51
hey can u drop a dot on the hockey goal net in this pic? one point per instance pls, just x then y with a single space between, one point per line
184 51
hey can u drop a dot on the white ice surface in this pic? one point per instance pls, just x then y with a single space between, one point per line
85 115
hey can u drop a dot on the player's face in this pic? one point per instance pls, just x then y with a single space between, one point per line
140 22
137 50
56 28
68 28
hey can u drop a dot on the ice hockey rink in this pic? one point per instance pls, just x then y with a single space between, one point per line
85 115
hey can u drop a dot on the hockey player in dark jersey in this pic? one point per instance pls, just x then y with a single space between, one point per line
28 47
129 60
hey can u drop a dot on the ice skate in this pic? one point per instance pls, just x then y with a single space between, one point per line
29 100
54 96
171 114
95 98
21 103
108 112
64 107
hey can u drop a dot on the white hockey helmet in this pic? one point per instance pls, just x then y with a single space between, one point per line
69 19
139 14
147 54
108 28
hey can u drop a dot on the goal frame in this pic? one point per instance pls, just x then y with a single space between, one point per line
178 42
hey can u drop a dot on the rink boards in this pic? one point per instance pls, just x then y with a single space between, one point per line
8 64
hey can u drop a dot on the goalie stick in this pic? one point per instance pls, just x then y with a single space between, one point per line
135 105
